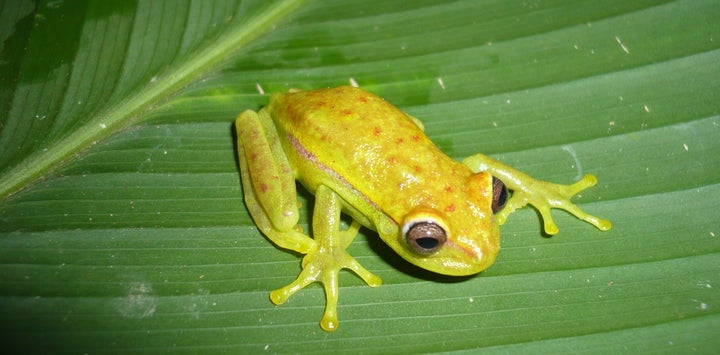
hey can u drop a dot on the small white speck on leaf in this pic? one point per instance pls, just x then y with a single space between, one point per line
685 146
624 48
646 108
354 83
441 83
260 89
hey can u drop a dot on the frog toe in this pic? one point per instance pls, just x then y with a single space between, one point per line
329 322
599 223
589 180
280 295
548 223
370 279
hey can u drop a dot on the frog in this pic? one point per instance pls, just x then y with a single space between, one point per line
363 158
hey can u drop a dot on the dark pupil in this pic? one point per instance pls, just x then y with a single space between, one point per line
427 243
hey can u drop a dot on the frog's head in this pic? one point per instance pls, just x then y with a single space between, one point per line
463 241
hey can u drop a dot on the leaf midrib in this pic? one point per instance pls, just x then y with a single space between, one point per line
115 117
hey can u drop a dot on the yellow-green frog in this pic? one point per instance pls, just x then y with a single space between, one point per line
362 156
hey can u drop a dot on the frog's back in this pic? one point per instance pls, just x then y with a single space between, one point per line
364 142
336 112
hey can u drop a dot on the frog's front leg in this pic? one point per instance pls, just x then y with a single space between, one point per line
541 194
325 260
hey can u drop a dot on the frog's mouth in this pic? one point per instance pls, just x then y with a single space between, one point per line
468 264
475 260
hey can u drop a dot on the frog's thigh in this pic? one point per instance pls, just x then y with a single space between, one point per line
269 190
270 174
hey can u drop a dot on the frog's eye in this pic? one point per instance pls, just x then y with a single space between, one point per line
425 237
500 195
424 230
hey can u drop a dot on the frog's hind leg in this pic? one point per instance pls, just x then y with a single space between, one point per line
270 195
268 182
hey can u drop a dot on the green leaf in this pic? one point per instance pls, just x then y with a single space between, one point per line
122 224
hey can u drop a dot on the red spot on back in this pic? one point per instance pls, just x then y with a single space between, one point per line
347 112
416 138
399 140
263 188
448 189
450 208
377 131
363 99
